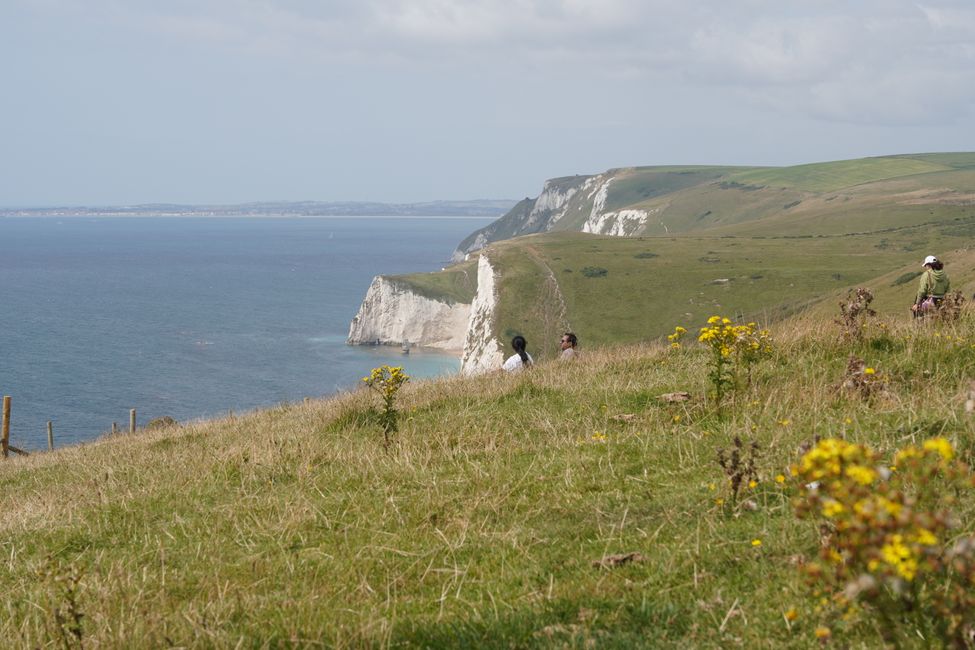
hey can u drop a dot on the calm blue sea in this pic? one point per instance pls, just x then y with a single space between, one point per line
192 317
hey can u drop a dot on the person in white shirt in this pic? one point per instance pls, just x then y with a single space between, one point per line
520 359
569 343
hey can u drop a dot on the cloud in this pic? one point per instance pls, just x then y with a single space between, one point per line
884 61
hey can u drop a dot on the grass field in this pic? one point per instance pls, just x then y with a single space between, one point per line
612 290
833 176
479 527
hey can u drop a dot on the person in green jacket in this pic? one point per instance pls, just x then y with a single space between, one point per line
932 288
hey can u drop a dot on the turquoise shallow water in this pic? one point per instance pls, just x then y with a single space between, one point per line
192 317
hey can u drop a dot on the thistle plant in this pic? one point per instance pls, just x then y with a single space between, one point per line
951 307
387 380
887 551
854 312
862 380
740 465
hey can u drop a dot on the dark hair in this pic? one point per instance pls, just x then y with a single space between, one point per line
573 341
937 265
519 343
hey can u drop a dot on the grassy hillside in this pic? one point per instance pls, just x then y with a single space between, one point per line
833 176
623 290
764 243
849 195
480 525
457 283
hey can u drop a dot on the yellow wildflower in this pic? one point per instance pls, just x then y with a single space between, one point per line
925 537
862 475
898 555
833 508
941 446
756 542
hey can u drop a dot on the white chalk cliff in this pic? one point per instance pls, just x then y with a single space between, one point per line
481 350
392 313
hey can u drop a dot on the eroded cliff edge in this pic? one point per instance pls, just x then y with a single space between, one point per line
394 312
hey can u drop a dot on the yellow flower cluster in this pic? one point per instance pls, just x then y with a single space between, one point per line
935 447
887 535
877 524
675 338
725 337
386 379
834 458
896 554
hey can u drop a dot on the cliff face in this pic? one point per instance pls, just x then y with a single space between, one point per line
392 313
623 202
481 350
529 216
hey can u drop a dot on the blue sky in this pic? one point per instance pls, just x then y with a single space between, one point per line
106 102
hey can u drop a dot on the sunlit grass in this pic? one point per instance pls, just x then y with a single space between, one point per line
481 522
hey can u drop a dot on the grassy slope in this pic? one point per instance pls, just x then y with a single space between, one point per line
641 297
456 283
806 230
833 176
292 526
879 215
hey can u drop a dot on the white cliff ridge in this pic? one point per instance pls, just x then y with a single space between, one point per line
481 350
392 313
618 224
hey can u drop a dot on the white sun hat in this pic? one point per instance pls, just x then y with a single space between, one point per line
930 259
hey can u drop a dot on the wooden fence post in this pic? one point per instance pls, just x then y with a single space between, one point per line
5 427
114 428
50 436
132 421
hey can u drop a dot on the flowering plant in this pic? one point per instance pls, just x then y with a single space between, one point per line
886 546
734 349
675 338
387 380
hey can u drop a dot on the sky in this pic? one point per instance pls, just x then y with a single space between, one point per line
115 102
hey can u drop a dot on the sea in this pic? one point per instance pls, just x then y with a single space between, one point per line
193 317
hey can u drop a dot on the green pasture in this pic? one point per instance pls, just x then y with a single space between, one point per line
833 176
612 290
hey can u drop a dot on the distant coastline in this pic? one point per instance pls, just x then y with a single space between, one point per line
474 208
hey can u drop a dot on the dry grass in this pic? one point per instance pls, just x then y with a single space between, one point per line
292 526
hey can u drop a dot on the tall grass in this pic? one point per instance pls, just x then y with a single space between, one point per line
292 526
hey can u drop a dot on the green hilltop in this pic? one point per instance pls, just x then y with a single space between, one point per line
762 243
